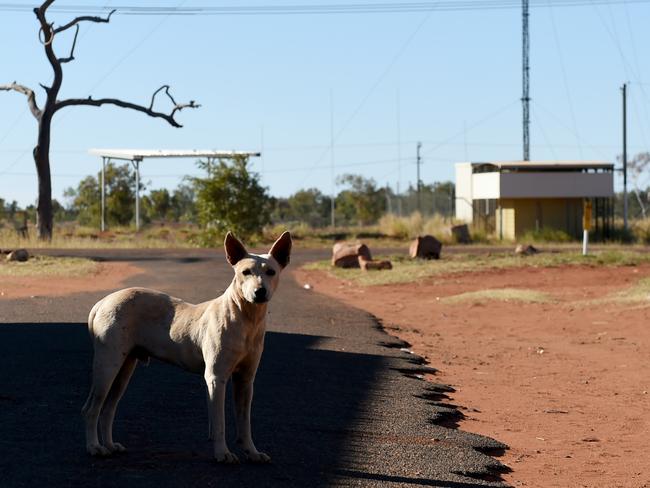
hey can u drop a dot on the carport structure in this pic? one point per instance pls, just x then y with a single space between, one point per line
136 156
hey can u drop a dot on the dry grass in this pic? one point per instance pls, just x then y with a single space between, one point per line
415 224
406 270
78 237
638 294
48 266
499 294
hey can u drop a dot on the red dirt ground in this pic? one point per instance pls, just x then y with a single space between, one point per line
565 384
108 276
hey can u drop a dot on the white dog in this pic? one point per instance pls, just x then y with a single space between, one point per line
220 338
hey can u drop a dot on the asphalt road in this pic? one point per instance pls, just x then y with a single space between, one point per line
337 402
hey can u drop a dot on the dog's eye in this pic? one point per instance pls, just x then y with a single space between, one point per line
270 272
246 272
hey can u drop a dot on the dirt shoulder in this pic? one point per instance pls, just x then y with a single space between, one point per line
104 276
564 381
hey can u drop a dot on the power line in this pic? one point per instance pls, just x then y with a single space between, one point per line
374 86
565 78
544 135
318 9
488 117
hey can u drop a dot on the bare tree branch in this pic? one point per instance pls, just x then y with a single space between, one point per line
48 33
85 18
74 44
29 93
168 117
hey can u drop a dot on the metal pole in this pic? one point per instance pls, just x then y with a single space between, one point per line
624 89
332 204
399 155
137 194
418 162
103 205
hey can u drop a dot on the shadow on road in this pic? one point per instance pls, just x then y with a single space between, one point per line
305 401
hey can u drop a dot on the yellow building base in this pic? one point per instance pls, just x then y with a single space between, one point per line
515 217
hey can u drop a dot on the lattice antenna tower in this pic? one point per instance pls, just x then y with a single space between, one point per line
525 98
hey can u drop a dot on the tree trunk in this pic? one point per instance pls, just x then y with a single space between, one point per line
44 219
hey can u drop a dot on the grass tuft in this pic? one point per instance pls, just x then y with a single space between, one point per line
501 295
49 266
406 270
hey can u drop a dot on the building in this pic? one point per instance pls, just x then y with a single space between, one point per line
511 198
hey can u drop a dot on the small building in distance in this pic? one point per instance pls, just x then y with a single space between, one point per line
511 198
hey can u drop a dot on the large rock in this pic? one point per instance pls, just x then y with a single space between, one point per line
368 265
18 255
460 234
346 255
425 247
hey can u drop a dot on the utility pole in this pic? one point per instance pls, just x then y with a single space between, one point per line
399 155
332 205
624 90
525 98
418 162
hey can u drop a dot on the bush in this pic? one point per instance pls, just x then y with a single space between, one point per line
230 198
415 224
546 234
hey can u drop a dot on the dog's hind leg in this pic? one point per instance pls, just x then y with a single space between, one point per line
106 366
110 404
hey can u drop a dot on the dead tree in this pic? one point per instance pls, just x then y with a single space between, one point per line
47 35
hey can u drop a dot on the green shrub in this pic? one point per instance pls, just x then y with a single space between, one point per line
546 234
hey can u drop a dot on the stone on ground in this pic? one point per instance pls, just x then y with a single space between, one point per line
346 255
525 250
368 265
18 255
425 247
460 234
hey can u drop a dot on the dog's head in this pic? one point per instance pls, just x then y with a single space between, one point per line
256 275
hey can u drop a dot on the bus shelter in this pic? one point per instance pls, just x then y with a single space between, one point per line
136 156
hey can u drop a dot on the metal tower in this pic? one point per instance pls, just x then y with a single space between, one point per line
525 98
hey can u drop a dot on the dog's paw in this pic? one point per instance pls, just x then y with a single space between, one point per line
258 457
226 458
98 450
116 447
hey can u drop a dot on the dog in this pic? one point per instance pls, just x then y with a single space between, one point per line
220 339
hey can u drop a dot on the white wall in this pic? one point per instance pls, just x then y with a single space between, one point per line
464 192
485 186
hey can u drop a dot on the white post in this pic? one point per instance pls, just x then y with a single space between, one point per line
137 194
103 209
586 225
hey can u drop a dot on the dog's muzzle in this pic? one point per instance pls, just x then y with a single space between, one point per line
261 295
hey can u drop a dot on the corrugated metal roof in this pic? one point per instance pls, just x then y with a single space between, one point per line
140 154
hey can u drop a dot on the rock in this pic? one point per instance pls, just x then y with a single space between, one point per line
18 255
425 247
525 250
460 233
368 264
346 255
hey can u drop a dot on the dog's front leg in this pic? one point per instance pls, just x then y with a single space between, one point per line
217 392
243 394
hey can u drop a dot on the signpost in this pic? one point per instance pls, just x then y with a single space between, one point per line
586 225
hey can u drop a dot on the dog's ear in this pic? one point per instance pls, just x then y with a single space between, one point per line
235 250
281 249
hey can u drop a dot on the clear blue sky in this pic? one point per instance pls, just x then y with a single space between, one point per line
457 76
